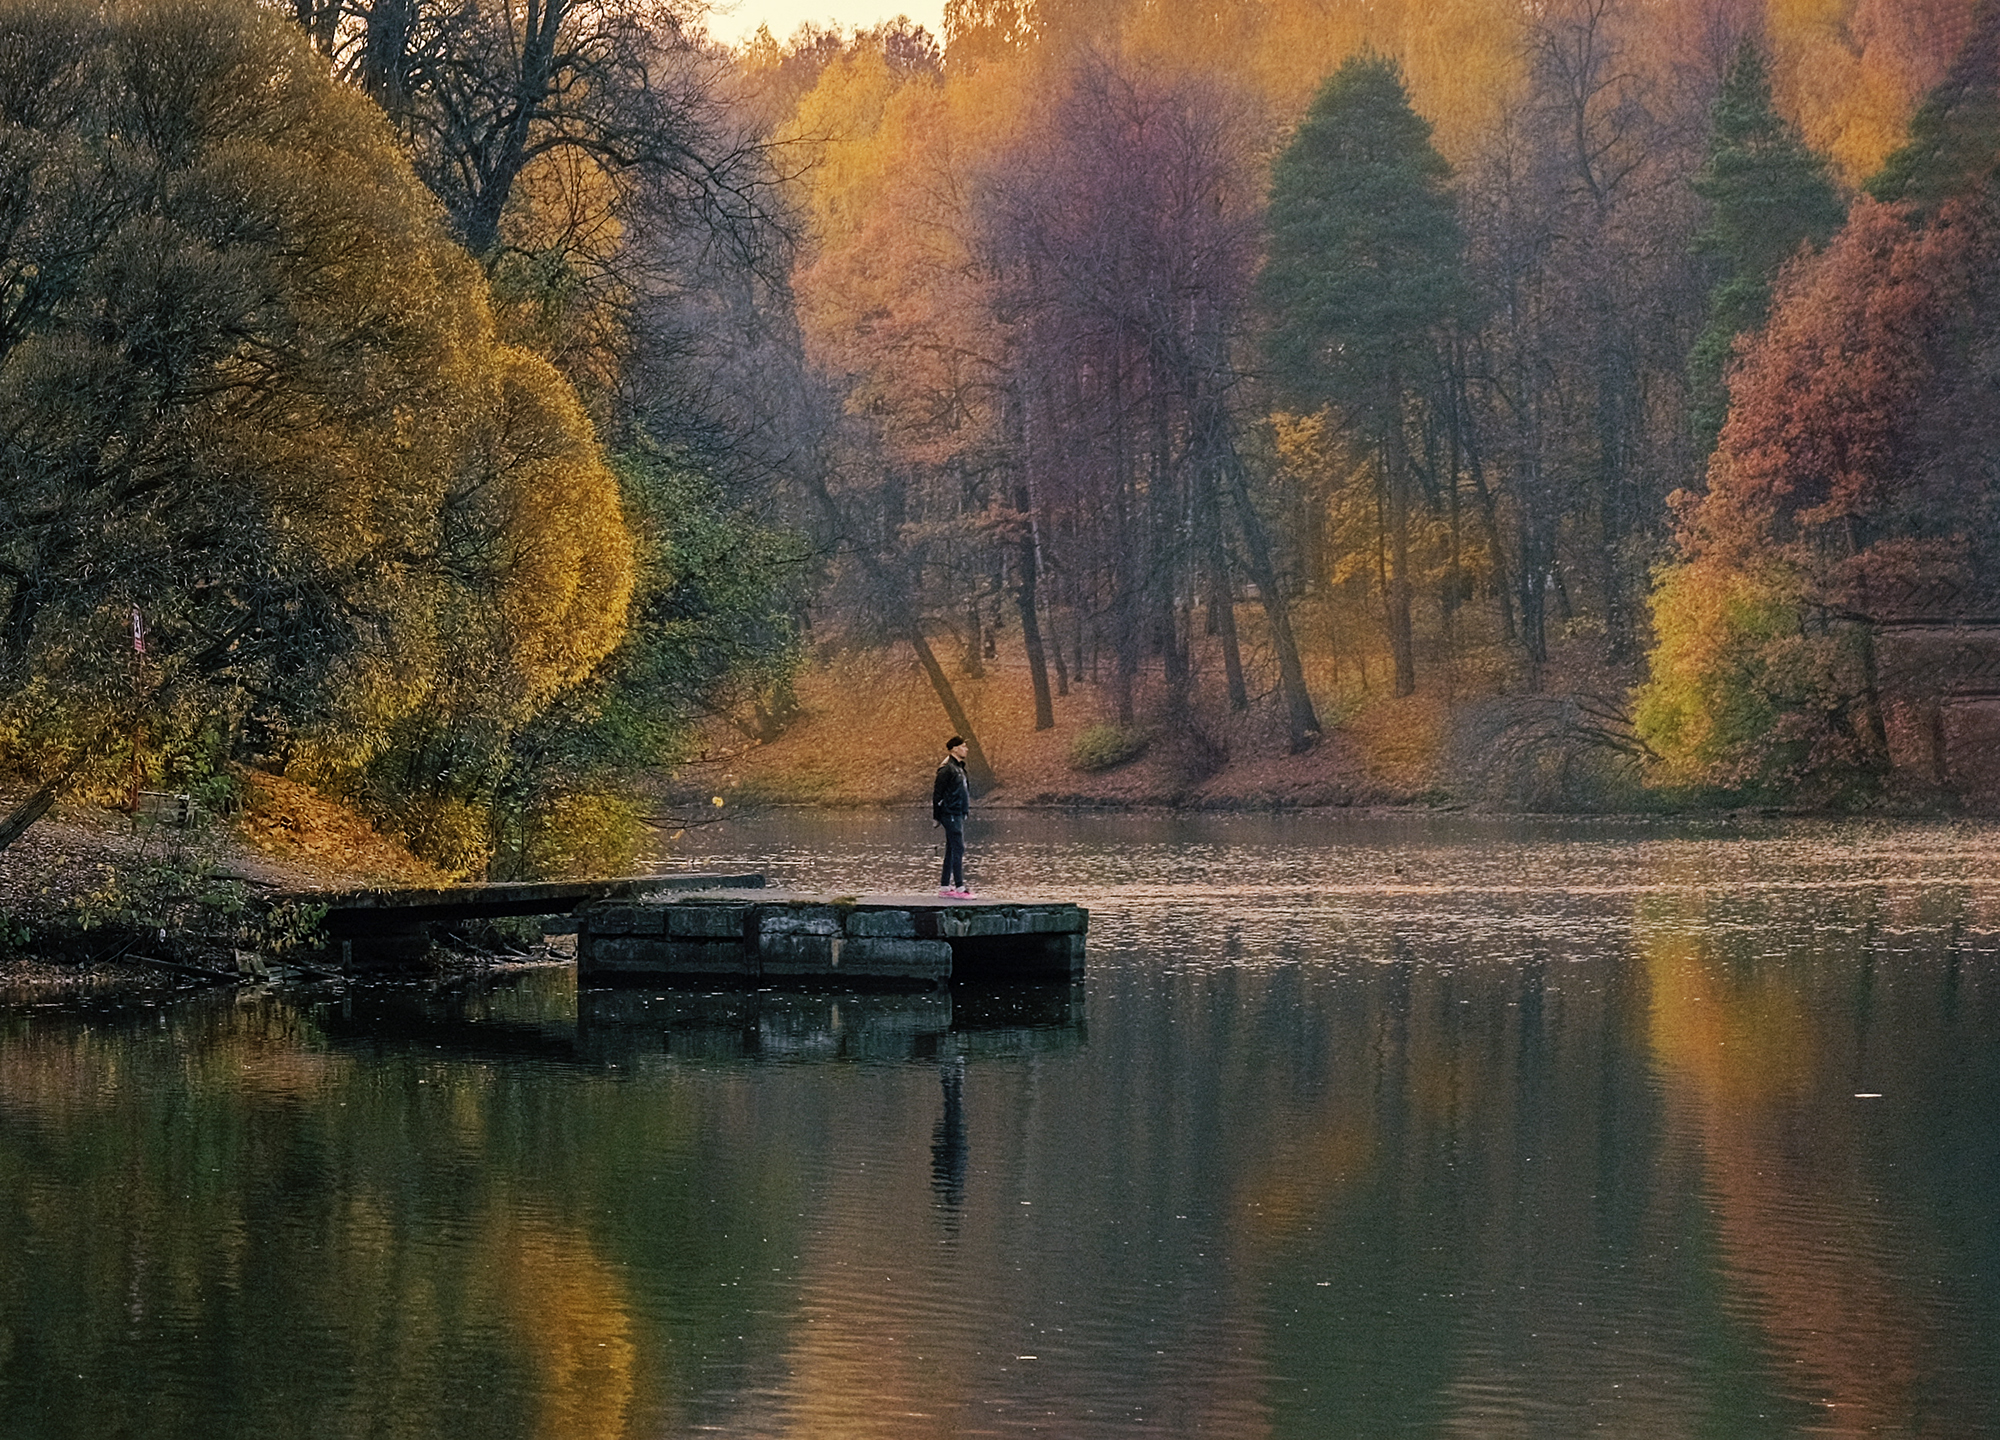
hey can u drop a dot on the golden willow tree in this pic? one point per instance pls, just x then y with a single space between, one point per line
269 484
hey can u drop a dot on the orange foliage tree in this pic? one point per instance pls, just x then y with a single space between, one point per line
893 306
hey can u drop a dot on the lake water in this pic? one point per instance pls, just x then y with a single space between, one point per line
1362 1126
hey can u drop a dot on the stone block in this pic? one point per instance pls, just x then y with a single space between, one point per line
708 957
992 922
707 922
896 959
881 925
798 920
613 955
1054 920
792 955
617 955
1065 951
625 919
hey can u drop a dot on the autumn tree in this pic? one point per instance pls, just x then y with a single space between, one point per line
1853 470
1954 137
894 316
551 131
258 420
1579 217
1124 230
1848 470
1361 280
479 91
1850 73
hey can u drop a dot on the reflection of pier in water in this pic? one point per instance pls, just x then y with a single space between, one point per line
632 1028
626 1025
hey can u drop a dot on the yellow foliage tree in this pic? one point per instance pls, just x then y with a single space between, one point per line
260 420
1849 73
559 287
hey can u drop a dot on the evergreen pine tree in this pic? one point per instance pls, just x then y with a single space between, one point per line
1363 269
1768 194
1364 251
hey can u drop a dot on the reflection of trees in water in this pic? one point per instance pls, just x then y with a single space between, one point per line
1449 1194
568 1314
402 1245
1443 1163
1761 1055
1507 1232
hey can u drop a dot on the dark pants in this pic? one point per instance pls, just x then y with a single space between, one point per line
953 874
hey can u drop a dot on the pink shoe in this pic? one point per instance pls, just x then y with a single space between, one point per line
947 893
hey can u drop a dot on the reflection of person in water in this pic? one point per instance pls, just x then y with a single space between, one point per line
949 1151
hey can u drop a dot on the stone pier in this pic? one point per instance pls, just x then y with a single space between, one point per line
795 940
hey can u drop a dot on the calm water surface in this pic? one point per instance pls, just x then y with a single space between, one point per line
1367 1127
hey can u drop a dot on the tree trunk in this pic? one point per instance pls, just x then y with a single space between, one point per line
1056 650
1489 525
1537 556
1935 732
24 815
29 811
1031 573
1031 625
977 771
1221 591
973 665
1300 718
1396 487
1222 615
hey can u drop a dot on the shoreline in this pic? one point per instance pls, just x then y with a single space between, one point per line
1913 813
53 958
42 986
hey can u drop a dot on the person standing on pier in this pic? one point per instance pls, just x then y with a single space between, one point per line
951 802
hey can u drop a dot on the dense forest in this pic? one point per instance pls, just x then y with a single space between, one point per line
459 405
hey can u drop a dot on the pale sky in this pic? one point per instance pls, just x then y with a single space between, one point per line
735 21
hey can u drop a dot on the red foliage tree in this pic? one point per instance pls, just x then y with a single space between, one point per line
1852 479
1828 408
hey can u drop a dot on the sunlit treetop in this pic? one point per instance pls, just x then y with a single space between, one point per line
1849 73
1954 138
254 390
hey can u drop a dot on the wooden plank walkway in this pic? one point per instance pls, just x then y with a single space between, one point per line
805 939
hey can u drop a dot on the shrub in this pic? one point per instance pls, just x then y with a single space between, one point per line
1104 747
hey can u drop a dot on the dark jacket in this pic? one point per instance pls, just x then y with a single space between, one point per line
951 794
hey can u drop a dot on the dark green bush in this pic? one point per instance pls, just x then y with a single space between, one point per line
1103 747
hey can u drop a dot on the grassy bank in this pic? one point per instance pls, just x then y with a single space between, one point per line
870 731
95 900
